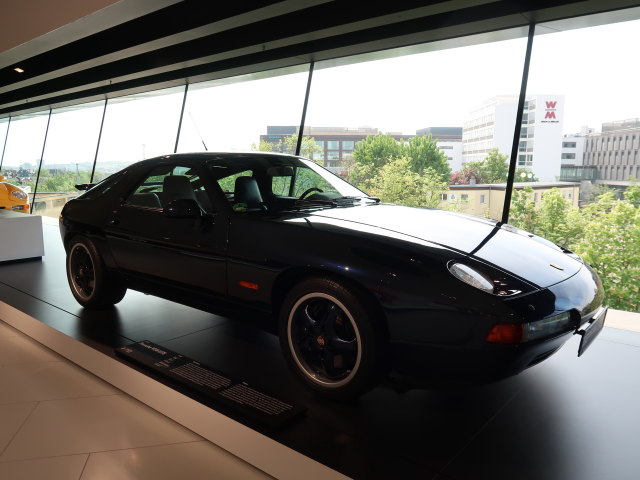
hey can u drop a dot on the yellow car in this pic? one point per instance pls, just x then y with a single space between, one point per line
13 197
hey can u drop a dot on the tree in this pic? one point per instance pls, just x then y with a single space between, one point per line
632 194
308 148
263 146
423 153
523 213
396 182
361 175
493 169
611 245
465 176
557 220
377 150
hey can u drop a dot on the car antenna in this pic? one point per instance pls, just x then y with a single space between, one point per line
198 132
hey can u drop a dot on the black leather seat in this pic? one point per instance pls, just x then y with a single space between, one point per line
177 187
246 191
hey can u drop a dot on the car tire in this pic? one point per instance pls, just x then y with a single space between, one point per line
332 338
92 285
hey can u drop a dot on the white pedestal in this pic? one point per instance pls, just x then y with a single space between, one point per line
20 236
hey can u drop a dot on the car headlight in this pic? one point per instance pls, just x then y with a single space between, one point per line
496 284
19 194
526 332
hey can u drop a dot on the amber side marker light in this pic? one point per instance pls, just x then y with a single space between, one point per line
249 285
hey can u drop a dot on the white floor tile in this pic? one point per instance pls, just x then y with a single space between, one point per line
8 331
193 461
94 424
25 382
56 468
11 419
14 350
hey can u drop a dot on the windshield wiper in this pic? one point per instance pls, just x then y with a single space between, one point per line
315 202
365 197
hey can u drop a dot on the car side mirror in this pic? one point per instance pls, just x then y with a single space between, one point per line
182 208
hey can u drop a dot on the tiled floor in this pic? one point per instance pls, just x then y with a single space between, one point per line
59 422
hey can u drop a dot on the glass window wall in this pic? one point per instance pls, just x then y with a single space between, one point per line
245 113
597 109
137 127
399 107
68 156
23 150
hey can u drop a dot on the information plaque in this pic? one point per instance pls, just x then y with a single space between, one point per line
220 389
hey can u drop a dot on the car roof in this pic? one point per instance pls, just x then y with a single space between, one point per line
232 162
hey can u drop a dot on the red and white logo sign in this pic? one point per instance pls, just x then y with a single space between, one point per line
550 112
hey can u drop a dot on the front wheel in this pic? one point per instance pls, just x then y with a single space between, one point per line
91 284
331 338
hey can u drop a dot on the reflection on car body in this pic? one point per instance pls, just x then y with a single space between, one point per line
356 288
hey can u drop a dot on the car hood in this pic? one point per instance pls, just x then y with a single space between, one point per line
526 255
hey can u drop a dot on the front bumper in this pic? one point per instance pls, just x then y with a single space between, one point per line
479 361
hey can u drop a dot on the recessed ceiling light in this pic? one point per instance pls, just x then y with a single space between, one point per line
19 70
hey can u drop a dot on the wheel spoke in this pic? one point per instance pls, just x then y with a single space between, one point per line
343 346
307 320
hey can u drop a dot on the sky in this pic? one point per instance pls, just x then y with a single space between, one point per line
596 69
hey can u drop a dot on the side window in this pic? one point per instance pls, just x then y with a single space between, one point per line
228 184
168 183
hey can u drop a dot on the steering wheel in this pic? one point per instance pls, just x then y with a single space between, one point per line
308 191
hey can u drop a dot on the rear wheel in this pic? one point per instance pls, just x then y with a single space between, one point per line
91 284
331 338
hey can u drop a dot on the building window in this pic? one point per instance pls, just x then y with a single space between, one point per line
443 196
464 197
482 198
333 145
568 144
347 144
571 156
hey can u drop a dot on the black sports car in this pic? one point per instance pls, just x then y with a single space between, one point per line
356 288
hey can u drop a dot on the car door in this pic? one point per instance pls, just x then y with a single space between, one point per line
144 240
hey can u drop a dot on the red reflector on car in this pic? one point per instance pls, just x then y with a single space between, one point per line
505 333
252 286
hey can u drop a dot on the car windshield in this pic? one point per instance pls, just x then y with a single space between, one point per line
277 183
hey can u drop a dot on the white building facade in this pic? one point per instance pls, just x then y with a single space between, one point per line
453 151
572 152
539 149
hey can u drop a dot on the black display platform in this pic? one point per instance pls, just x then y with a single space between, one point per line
211 386
568 418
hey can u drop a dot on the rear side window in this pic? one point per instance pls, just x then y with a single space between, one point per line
103 187
165 184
